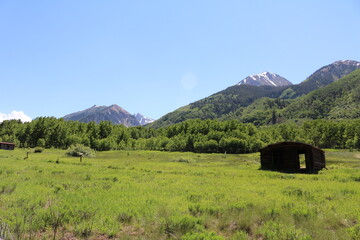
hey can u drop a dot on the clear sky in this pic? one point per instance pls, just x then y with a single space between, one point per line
152 57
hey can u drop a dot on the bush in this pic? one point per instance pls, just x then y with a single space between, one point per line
272 230
202 236
104 144
78 149
41 142
38 150
180 225
354 232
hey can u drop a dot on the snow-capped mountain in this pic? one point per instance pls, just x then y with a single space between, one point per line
265 79
113 113
143 120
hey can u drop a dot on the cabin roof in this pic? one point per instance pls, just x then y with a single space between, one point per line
289 144
7 143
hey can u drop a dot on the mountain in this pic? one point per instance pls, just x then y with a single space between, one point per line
321 78
264 111
143 120
338 100
113 113
226 104
261 105
265 79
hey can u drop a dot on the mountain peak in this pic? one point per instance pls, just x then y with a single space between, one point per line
333 72
143 120
112 113
118 109
265 79
347 62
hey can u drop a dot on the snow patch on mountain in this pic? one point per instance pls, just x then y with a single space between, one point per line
265 79
143 120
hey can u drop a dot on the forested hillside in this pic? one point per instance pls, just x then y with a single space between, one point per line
228 102
263 111
206 136
339 100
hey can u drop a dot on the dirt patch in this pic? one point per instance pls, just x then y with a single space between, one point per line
357 155
132 231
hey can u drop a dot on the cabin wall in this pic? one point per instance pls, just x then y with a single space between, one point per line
7 146
266 160
280 159
318 159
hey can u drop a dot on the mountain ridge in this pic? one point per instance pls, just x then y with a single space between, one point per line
322 77
112 113
338 100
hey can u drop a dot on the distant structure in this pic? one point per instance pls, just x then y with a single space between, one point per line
286 156
7 146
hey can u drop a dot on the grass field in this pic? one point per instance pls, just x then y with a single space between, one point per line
162 195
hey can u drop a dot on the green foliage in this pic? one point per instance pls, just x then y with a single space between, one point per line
275 231
180 225
80 150
202 236
38 150
339 100
354 232
201 136
263 111
230 100
40 142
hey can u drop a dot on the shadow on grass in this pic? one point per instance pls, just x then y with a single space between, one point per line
291 171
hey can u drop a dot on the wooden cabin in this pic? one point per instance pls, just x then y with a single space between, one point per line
292 156
7 146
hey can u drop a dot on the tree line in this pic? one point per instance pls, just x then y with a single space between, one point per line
203 136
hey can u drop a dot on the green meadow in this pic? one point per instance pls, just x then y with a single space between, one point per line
163 195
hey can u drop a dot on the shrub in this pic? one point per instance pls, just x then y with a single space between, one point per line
276 231
41 142
354 232
105 144
241 235
38 149
78 149
180 225
202 236
124 217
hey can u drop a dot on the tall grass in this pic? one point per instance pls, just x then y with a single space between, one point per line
161 195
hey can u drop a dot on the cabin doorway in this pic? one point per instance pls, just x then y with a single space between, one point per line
302 161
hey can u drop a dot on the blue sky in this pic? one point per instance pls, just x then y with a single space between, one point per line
152 57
